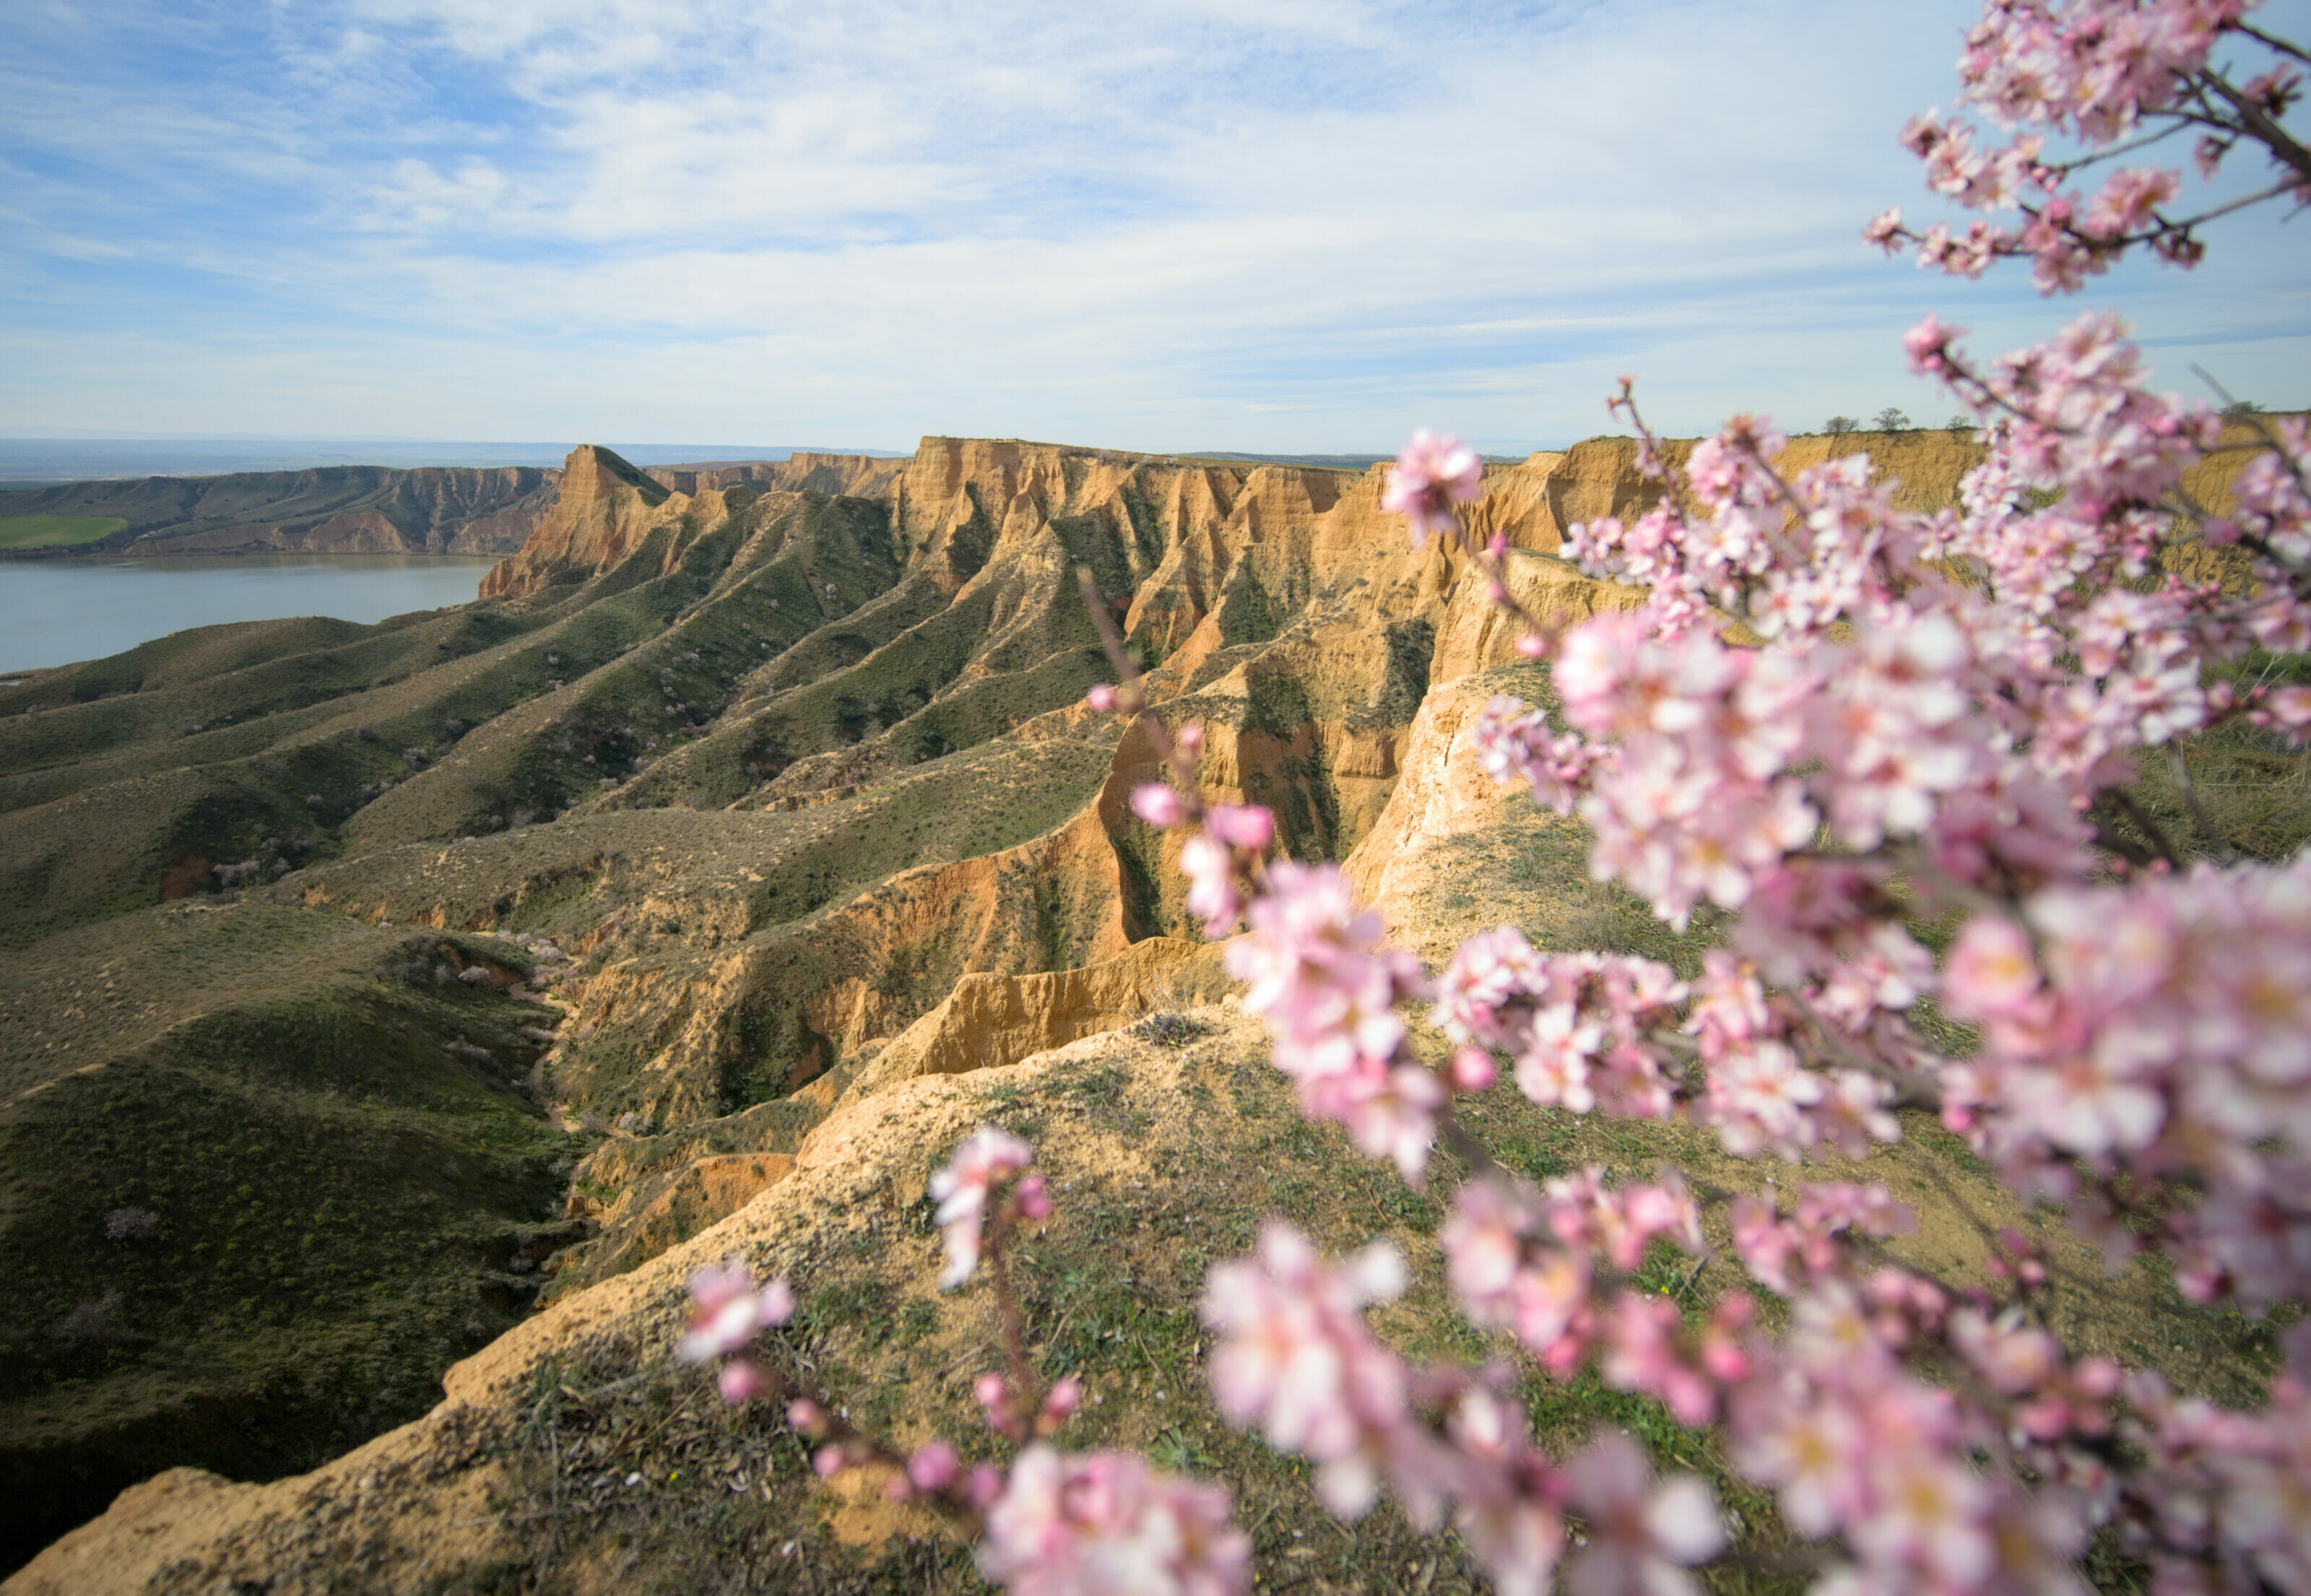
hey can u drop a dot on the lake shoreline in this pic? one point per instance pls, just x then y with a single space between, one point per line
71 609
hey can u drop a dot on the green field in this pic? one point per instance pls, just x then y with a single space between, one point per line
55 531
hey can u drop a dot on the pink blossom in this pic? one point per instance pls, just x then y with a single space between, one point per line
1935 719
934 1468
1488 990
1641 1537
1643 1354
1100 696
986 1158
1759 1101
1507 1268
1552 1067
730 1309
1059 1405
2287 708
1512 742
1212 897
1159 805
1812 1446
2129 200
1291 1356
1430 476
1927 344
1391 1116
1991 970
742 1380
1247 826
1318 974
1471 1069
995 1401
1105 1522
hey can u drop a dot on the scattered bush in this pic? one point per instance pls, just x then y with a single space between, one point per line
1170 1030
92 1321
131 1224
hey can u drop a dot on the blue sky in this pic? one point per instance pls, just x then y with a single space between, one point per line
1261 224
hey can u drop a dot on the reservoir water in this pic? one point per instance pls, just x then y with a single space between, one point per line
58 612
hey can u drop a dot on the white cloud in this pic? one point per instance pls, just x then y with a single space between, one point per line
1272 224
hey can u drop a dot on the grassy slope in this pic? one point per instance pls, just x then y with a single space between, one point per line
1168 1146
55 531
336 1197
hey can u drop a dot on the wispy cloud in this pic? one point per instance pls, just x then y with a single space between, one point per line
1273 224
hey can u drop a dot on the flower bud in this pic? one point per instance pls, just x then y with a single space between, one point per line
1057 1406
806 1417
934 1468
985 1486
1189 739
1247 826
1032 1198
829 1462
742 1380
1102 697
1471 1069
995 1396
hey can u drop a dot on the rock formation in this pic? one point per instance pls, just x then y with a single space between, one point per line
744 843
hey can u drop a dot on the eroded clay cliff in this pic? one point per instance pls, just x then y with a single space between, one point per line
792 761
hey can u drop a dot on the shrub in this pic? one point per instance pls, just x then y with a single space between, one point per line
131 1224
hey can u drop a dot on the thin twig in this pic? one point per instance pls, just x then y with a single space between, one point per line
2124 803
2219 844
1025 1396
2258 122
2272 41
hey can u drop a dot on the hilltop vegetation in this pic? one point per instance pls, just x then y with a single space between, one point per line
55 531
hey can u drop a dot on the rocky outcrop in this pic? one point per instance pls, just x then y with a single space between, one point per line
857 477
1476 634
1442 792
1183 540
990 1021
602 509
666 1189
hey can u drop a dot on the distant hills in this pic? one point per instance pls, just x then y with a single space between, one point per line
1332 462
50 461
365 510
330 509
